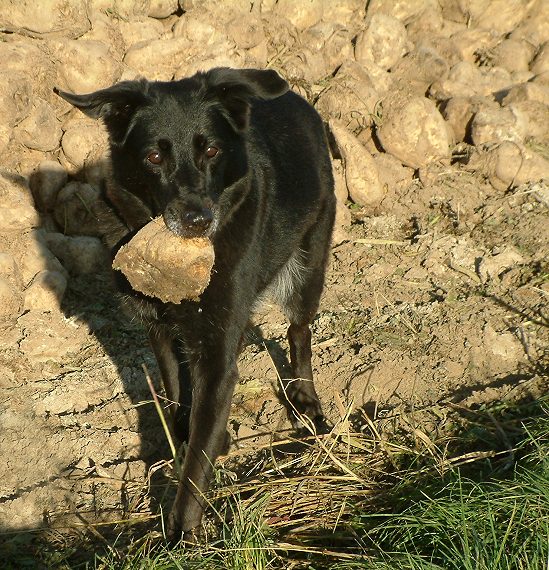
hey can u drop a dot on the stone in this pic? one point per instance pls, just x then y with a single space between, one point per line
413 130
161 264
361 174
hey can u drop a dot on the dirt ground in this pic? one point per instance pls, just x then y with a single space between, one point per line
437 297
404 322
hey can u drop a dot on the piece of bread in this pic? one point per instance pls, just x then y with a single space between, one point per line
161 264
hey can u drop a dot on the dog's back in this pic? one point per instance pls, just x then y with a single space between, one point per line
287 141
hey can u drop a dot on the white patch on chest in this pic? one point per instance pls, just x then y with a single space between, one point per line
286 280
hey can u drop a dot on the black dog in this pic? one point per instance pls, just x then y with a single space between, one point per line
231 154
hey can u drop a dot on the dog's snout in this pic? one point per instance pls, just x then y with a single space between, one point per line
189 222
200 220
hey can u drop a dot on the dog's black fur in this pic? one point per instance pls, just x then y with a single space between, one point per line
231 154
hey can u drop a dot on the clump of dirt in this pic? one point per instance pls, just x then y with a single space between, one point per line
438 283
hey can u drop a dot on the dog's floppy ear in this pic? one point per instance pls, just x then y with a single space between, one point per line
115 105
236 87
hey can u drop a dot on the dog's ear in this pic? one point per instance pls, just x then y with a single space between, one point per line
115 105
236 87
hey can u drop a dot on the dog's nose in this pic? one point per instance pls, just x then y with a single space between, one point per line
198 220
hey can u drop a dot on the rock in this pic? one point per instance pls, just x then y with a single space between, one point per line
532 119
45 182
491 267
343 216
535 27
80 255
403 10
516 165
513 55
40 130
200 42
124 9
158 59
73 210
342 222
85 65
308 65
84 141
492 125
350 96
541 79
162 8
511 164
428 23
500 15
413 130
361 174
221 55
36 257
343 11
302 14
527 92
458 112
46 291
540 191
136 31
10 303
161 264
106 30
470 42
381 79
497 82
201 27
258 56
540 64
340 186
392 174
383 42
501 351
18 212
33 63
333 40
8 267
462 10
54 17
420 68
15 102
463 80
246 31
466 79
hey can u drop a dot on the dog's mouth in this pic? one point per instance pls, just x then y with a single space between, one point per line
190 224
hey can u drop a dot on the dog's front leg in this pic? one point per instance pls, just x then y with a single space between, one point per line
212 393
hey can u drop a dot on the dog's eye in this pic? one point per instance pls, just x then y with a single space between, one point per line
211 151
155 158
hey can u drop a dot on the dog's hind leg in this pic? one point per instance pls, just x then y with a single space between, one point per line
300 300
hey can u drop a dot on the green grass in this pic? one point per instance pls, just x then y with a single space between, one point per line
469 525
390 497
471 519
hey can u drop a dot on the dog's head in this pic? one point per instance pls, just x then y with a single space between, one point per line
180 147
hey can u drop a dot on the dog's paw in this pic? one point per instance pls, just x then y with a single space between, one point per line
305 411
304 424
176 536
